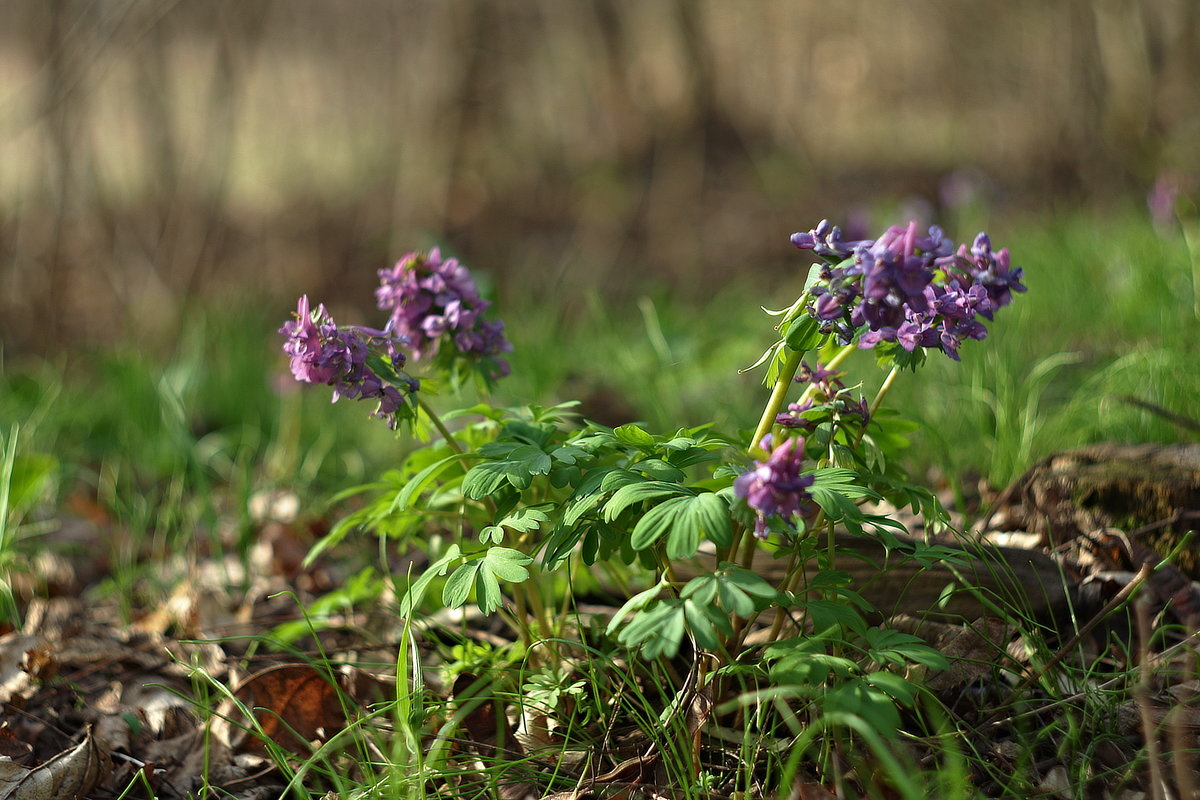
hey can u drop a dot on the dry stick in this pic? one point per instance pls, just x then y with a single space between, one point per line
1180 515
1141 694
1181 749
1192 640
1112 605
1187 423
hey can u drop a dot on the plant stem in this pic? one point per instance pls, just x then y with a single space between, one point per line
778 394
1191 239
441 426
883 389
784 382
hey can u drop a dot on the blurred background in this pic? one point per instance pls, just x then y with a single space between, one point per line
157 155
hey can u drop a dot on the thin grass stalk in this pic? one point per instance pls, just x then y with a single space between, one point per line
1141 695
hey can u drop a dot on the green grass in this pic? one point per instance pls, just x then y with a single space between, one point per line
171 441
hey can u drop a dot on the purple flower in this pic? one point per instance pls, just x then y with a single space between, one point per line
775 488
321 352
826 392
434 301
955 330
826 241
993 271
1168 198
914 290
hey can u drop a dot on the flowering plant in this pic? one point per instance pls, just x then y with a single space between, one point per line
517 503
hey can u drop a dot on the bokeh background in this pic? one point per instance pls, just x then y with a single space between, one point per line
156 155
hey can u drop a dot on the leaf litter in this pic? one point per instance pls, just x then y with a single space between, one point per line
186 701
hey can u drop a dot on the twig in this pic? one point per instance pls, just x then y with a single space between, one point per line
1177 729
1180 515
1141 695
1187 423
1190 642
1121 598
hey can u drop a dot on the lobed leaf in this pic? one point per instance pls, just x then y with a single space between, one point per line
634 493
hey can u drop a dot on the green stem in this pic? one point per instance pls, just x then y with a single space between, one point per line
883 389
778 394
1191 239
441 426
784 382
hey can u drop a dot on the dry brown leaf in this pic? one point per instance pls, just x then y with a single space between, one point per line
1056 783
70 775
973 652
811 791
16 685
13 748
293 705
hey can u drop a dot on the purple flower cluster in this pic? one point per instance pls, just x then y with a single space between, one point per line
829 394
1168 198
902 287
321 352
775 487
432 300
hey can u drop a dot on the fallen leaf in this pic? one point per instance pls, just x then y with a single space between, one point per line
70 775
292 704
15 683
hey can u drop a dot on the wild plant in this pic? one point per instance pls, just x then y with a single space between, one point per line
519 508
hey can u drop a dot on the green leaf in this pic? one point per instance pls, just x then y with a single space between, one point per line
660 470
750 582
577 508
532 458
658 630
508 564
560 543
826 614
458 586
840 479
634 493
483 480
814 275
523 520
858 697
897 687
887 646
493 534
517 468
654 523
618 478
416 592
702 589
690 457
383 368
634 435
803 334
569 454
487 590
417 483
709 512
684 520
635 603
32 474
704 621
